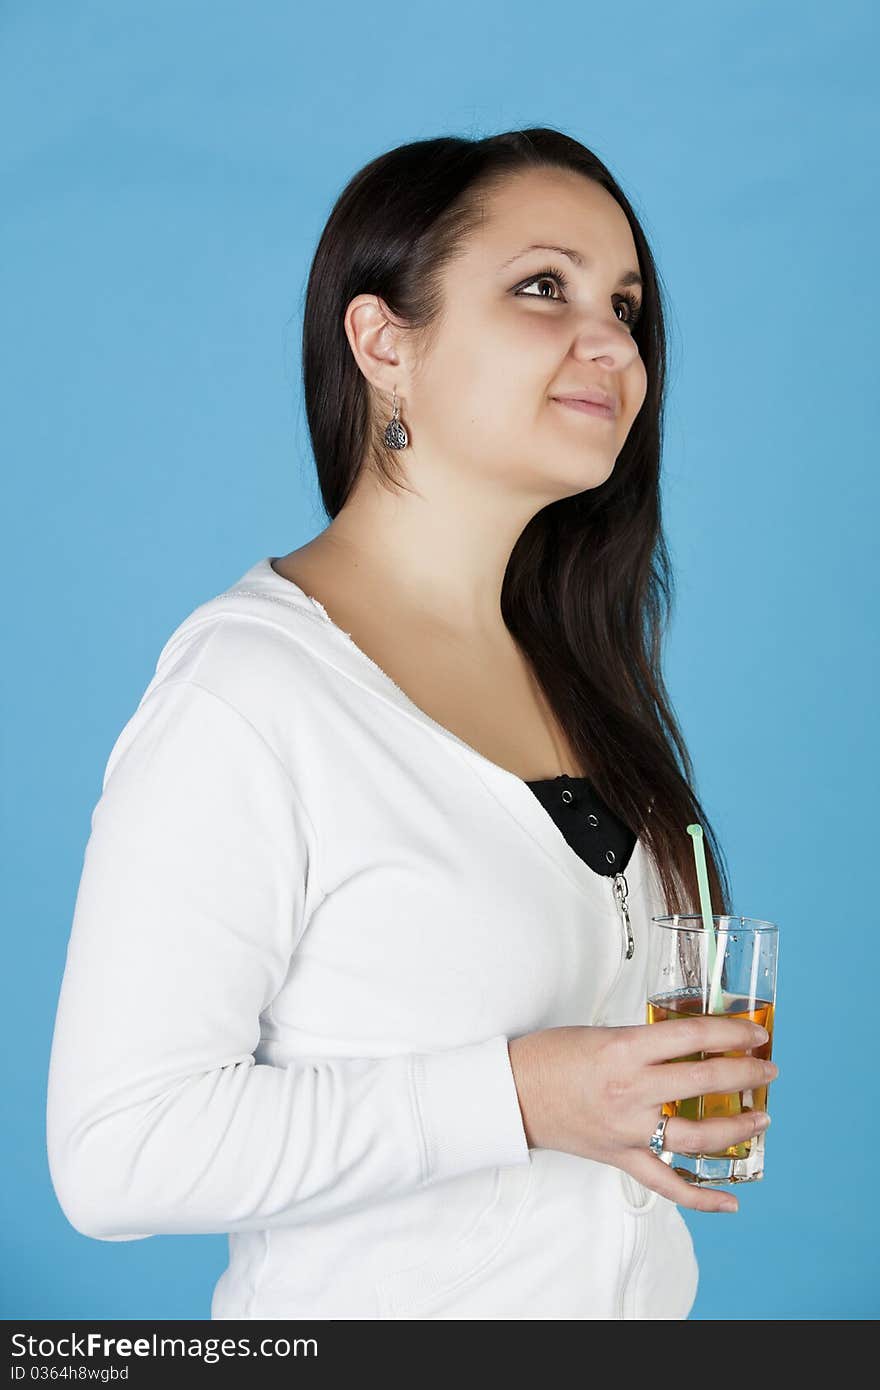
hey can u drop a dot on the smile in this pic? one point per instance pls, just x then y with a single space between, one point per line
604 412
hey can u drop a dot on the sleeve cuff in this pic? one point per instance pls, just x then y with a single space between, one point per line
468 1109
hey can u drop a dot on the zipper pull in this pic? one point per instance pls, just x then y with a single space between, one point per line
621 890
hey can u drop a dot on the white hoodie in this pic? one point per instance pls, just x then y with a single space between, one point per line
309 919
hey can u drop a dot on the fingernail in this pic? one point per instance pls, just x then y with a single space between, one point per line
762 1121
728 1205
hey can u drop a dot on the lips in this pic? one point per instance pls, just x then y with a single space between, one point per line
590 395
587 406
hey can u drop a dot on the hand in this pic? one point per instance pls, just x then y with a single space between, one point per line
598 1092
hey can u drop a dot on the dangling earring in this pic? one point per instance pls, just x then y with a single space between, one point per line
396 436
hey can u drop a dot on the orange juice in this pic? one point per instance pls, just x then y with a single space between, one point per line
684 1004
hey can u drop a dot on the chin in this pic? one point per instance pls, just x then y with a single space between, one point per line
597 466
580 478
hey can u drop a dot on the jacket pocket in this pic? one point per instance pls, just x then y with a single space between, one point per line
460 1252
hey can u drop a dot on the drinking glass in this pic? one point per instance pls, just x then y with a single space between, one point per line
679 987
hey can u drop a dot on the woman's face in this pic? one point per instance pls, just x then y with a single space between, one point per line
512 338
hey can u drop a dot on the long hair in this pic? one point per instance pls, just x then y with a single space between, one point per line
588 588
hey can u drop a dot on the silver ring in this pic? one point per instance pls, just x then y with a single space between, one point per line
655 1143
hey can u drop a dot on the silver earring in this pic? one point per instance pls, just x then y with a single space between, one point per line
396 436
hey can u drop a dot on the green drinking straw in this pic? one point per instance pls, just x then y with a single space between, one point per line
716 1003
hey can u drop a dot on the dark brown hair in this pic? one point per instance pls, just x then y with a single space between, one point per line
587 593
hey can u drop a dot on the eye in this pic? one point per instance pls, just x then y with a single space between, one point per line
552 273
634 308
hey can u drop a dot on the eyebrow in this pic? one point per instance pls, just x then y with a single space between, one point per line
629 277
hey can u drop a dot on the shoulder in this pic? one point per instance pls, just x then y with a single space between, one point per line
266 653
227 693
245 640
256 668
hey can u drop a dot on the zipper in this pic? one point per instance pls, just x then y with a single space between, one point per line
636 1260
620 889
619 892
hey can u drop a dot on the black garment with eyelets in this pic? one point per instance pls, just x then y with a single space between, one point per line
587 822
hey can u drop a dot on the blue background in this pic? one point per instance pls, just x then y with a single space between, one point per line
166 172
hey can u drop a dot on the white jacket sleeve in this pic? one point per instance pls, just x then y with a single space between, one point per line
189 909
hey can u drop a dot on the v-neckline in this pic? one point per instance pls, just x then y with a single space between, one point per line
512 792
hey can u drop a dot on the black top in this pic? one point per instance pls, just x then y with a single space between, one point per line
587 822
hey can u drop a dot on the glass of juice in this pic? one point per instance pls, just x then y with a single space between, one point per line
679 987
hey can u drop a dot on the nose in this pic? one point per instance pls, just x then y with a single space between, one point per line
613 347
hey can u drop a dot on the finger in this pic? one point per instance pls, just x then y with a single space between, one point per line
712 1136
707 1076
682 1037
652 1172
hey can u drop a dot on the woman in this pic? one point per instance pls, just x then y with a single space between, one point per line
357 967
